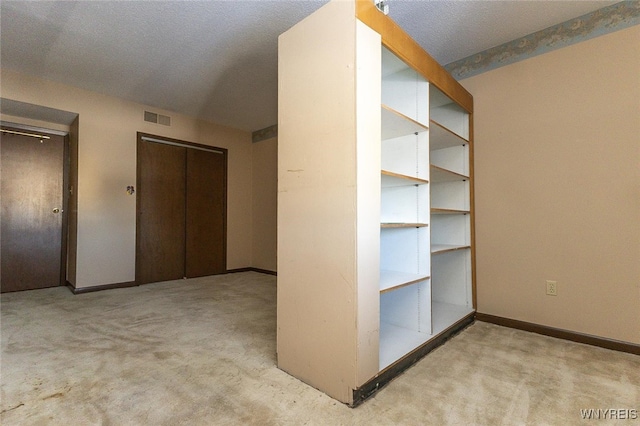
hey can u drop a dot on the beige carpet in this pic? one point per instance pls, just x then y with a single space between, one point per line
202 352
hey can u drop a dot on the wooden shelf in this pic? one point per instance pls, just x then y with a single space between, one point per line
440 137
443 248
448 211
403 225
438 174
396 124
392 280
391 179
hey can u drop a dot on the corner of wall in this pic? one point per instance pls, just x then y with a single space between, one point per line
264 167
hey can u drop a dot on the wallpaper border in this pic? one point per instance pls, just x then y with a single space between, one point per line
602 21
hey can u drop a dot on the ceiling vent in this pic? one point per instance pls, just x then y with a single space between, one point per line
152 117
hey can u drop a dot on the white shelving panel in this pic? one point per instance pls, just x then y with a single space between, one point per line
451 116
446 314
405 290
455 159
391 179
408 307
450 196
403 89
438 175
451 275
403 225
405 249
437 211
450 212
396 124
451 229
441 137
449 190
403 340
399 341
443 248
407 155
405 204
405 313
390 280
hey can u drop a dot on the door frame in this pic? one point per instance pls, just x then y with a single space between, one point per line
66 166
147 137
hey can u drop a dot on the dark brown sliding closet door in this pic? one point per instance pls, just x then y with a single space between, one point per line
206 213
160 227
181 228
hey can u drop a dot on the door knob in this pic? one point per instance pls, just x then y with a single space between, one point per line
56 210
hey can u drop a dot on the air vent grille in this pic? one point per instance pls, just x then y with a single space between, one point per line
152 117
165 120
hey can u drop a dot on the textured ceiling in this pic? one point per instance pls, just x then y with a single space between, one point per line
217 60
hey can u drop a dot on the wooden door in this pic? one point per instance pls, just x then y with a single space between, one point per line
32 193
206 213
160 224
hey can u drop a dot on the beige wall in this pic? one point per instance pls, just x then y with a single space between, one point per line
265 197
107 164
557 166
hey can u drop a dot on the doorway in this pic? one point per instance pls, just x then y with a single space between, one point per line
33 164
181 209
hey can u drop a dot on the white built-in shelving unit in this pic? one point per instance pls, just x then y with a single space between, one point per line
375 229
425 161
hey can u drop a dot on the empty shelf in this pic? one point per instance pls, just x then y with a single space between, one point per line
396 342
396 124
444 315
391 280
440 137
390 179
443 248
448 211
438 174
403 225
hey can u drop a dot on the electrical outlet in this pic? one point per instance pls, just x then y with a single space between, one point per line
552 288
